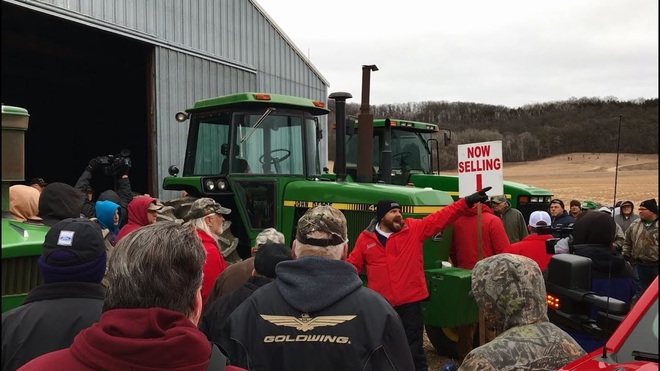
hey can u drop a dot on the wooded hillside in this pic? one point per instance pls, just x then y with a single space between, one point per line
534 131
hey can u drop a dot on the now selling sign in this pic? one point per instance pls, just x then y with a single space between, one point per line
479 166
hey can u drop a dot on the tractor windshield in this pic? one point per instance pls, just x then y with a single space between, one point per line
409 151
264 142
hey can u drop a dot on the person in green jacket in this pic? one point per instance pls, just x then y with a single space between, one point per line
513 220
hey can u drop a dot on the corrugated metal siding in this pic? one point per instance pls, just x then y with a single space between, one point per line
236 30
211 47
180 80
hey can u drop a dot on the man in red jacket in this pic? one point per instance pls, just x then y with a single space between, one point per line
533 246
391 249
207 217
464 254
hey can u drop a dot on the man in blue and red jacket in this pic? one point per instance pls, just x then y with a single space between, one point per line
391 249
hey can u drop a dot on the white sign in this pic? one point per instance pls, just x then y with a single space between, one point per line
479 166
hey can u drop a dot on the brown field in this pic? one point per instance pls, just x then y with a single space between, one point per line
591 176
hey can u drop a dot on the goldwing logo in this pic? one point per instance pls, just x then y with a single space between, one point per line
306 323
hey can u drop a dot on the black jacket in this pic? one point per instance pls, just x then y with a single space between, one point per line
218 311
122 197
48 320
564 219
316 315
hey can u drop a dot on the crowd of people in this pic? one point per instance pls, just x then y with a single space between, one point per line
125 289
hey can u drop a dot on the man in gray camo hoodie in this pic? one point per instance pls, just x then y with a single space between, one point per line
510 291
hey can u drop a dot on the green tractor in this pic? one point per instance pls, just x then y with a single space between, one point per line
412 163
258 154
402 154
21 242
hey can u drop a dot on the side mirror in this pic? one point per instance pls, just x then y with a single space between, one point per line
447 138
173 170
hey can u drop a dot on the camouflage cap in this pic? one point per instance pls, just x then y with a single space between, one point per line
205 206
322 219
499 199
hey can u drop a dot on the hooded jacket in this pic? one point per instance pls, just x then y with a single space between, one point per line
59 201
509 289
463 250
23 202
217 312
105 214
133 339
625 221
137 215
396 270
316 315
514 224
611 275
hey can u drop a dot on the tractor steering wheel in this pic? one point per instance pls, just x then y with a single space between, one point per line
403 156
274 159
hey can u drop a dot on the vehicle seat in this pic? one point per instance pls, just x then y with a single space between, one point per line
240 166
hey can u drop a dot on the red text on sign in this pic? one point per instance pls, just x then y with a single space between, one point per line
487 164
478 151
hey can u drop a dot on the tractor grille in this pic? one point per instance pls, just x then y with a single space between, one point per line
357 221
19 275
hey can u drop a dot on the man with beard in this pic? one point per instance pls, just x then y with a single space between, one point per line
391 249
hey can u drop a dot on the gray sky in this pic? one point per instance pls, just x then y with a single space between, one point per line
507 52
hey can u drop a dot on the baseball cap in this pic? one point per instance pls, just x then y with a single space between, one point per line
205 206
605 209
499 199
589 205
155 205
322 219
73 251
539 216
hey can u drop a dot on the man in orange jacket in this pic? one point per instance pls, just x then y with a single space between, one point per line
391 248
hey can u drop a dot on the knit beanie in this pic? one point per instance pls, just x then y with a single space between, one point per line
651 205
73 251
384 206
594 228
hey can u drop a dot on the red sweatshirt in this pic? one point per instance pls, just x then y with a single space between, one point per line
463 250
133 339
